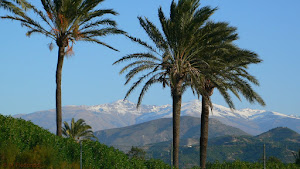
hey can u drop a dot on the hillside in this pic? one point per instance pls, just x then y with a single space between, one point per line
280 143
161 130
280 134
23 143
124 113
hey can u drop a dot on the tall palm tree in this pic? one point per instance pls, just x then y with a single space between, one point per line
223 66
227 72
174 61
67 21
78 130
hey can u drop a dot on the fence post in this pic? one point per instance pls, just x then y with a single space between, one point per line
171 155
264 158
80 154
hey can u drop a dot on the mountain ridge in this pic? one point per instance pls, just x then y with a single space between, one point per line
161 130
124 113
280 134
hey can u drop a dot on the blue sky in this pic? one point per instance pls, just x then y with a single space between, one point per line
27 67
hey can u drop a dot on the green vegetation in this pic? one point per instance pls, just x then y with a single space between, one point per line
248 165
297 158
23 143
136 152
78 130
229 149
280 134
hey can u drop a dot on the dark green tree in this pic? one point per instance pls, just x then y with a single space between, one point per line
273 160
67 21
136 152
174 61
78 130
297 158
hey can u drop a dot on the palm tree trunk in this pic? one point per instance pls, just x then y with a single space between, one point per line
60 62
176 96
204 132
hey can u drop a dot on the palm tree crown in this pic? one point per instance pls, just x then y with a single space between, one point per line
67 21
78 130
226 70
174 60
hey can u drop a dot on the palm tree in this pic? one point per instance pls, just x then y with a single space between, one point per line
175 60
227 71
13 5
67 21
78 130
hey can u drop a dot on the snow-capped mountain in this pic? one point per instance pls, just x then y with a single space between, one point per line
124 113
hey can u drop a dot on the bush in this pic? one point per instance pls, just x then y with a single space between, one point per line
136 152
297 158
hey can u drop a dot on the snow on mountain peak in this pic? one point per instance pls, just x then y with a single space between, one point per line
193 108
119 107
122 101
123 113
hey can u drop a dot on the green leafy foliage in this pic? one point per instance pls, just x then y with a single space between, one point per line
136 152
23 143
297 158
273 159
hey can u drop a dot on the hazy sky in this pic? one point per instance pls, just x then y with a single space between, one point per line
27 67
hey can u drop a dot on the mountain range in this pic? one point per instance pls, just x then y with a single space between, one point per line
161 130
225 143
124 113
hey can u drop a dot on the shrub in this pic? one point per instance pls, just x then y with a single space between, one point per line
297 158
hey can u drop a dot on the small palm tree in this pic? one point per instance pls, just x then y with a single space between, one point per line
78 130
67 21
